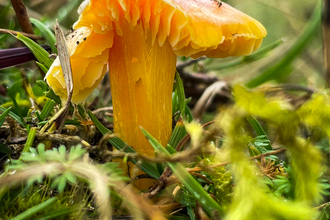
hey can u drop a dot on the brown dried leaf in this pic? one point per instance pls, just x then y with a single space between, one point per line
64 56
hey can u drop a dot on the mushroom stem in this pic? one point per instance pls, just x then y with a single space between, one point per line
141 78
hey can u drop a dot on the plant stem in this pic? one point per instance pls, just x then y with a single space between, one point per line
30 139
196 169
322 206
22 16
32 36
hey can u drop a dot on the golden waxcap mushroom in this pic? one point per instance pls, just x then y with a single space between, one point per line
139 40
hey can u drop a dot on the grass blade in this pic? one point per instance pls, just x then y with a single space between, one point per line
40 53
191 213
256 126
42 67
12 94
208 203
250 58
259 130
277 70
30 212
146 167
57 213
46 33
174 102
178 133
13 115
48 107
3 115
181 95
30 139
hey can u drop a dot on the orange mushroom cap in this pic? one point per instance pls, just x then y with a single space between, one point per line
192 27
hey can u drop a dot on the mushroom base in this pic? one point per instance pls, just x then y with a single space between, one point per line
141 78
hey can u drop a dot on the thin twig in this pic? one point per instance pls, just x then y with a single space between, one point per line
322 206
195 169
202 177
24 21
178 157
69 140
292 87
219 88
32 36
161 184
22 16
163 180
102 109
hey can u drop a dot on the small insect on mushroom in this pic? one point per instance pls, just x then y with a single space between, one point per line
219 2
